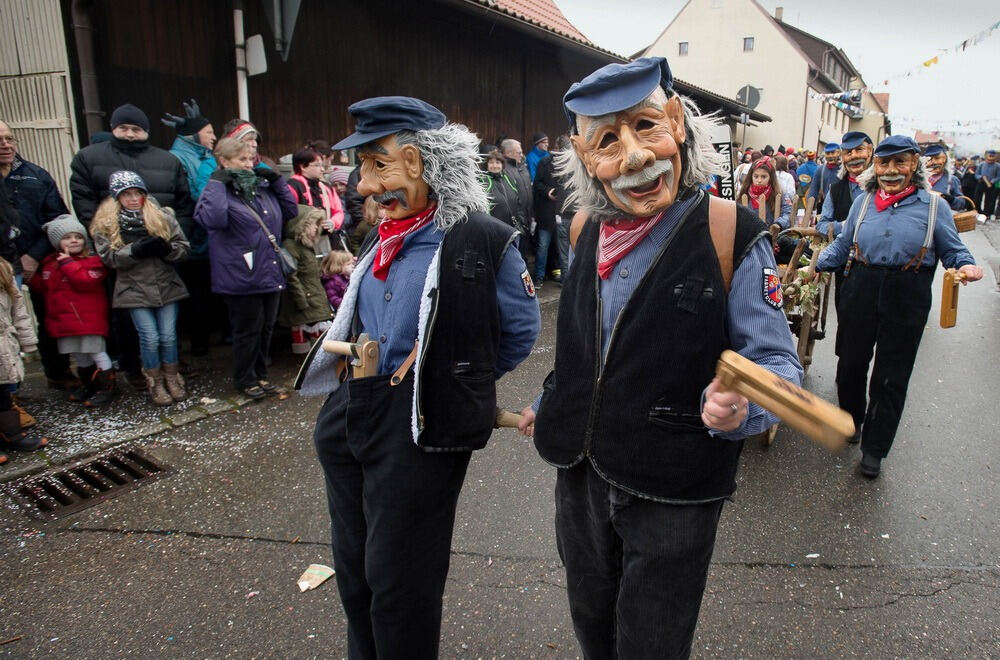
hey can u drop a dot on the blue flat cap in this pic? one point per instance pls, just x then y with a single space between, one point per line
934 150
991 152
896 144
854 139
616 87
384 115
831 146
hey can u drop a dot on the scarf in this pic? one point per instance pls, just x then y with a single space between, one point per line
934 178
244 183
831 166
391 234
852 178
131 225
883 201
756 191
618 239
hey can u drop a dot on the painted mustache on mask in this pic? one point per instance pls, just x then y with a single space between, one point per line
856 162
388 196
891 178
641 178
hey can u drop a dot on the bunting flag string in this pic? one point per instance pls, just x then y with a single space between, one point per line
974 40
951 125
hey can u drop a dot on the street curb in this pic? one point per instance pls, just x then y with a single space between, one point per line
40 462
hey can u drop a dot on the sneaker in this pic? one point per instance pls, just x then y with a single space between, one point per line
267 386
870 465
254 392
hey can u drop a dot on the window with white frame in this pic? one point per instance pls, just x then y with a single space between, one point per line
747 44
682 48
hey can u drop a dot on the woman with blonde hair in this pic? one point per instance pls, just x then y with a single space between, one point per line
142 241
304 307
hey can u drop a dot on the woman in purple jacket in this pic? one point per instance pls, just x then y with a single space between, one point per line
245 270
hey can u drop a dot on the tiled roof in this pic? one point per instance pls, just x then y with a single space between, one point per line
543 13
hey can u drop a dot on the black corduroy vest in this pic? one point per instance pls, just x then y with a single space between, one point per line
456 402
840 191
638 418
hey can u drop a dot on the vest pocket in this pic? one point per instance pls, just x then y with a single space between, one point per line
674 419
474 401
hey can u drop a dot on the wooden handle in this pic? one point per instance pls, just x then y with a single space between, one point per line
949 297
341 348
825 423
506 419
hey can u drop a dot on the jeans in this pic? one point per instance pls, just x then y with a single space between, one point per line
252 318
635 569
157 328
562 239
541 256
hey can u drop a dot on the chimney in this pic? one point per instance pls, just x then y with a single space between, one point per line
779 13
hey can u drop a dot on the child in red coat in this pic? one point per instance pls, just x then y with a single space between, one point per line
72 281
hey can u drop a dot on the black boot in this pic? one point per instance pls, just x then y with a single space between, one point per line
86 388
105 389
11 436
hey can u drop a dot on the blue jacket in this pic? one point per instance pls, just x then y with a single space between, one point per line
949 184
37 199
243 262
533 158
192 156
822 180
991 171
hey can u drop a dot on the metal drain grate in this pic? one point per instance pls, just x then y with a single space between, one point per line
85 484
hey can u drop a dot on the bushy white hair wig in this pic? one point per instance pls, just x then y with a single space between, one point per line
699 163
451 168
869 182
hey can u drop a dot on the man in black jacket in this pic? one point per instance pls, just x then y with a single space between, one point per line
166 180
549 197
36 197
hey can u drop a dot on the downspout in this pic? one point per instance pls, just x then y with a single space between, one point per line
83 33
805 107
242 95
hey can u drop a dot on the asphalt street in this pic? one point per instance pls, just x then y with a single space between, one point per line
812 560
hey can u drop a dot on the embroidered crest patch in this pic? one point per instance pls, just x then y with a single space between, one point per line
529 286
772 288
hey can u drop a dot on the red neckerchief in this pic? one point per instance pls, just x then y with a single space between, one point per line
830 166
392 232
618 239
852 178
756 191
883 201
934 178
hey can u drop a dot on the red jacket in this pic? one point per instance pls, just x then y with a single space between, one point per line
76 298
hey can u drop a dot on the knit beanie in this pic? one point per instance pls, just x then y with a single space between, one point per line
123 180
242 130
129 114
338 176
62 225
538 137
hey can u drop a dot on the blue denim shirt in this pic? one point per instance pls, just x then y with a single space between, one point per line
390 310
894 236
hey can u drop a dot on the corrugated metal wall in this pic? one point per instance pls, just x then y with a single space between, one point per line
35 94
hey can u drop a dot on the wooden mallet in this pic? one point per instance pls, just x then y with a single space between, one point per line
825 423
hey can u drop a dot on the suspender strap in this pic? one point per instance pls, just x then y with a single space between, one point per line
400 374
916 261
857 228
722 227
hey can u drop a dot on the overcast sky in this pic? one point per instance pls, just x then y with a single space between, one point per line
882 39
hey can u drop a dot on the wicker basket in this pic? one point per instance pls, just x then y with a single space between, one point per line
966 220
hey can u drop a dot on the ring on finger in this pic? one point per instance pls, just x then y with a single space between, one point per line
734 408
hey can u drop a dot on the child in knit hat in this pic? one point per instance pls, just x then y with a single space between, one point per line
71 280
17 333
143 241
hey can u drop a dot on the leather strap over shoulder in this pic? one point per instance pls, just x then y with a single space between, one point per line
722 227
579 220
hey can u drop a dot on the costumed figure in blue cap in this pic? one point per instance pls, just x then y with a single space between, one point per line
941 180
442 289
894 235
987 177
825 176
663 279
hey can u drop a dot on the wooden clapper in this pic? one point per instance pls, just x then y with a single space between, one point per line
949 297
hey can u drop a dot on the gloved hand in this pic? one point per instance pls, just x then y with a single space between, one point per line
948 198
267 173
222 175
150 246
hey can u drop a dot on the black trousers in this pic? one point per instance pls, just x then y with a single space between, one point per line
53 363
392 513
882 312
986 198
200 313
635 569
252 318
